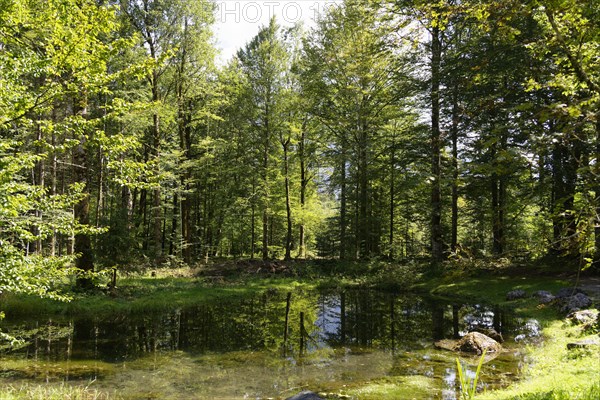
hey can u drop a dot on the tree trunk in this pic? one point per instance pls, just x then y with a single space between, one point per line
156 144
436 169
597 192
82 243
40 171
185 203
557 194
54 242
343 201
185 144
496 223
502 186
571 241
303 187
173 237
454 135
143 210
564 173
288 204
265 216
392 198
364 246
186 231
100 194
253 222
265 234
126 207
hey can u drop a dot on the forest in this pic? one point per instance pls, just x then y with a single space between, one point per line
393 130
443 134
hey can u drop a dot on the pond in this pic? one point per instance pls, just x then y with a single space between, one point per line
268 346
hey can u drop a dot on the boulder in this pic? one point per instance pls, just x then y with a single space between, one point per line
583 317
491 332
568 292
446 344
306 395
577 302
544 297
588 320
475 342
584 344
516 294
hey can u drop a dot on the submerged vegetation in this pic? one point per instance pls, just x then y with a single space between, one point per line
468 386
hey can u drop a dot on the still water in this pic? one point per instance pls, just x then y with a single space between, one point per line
334 342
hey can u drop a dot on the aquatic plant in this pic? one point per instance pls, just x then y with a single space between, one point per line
468 387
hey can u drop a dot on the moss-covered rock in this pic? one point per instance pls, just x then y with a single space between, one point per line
472 342
475 342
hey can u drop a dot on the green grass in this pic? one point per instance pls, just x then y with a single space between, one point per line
146 294
181 288
54 392
491 289
557 373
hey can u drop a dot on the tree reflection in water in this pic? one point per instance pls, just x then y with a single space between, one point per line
343 330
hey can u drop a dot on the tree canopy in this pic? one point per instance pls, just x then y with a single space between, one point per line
397 130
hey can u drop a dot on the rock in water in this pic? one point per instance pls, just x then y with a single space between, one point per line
475 342
306 395
491 332
446 344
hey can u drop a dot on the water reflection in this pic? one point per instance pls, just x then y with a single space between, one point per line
324 341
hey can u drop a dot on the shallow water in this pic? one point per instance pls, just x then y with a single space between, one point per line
240 349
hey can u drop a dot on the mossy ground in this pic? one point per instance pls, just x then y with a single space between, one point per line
555 372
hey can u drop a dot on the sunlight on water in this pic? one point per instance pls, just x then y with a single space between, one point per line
356 341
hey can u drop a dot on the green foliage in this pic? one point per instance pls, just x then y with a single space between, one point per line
359 86
468 386
35 273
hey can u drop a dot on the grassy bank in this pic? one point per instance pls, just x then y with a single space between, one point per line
167 288
146 294
554 372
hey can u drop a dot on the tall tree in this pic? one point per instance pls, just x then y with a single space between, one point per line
357 80
66 47
571 34
263 60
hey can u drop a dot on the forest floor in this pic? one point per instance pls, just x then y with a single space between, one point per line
553 373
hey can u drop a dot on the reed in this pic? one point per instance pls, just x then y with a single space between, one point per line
468 387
